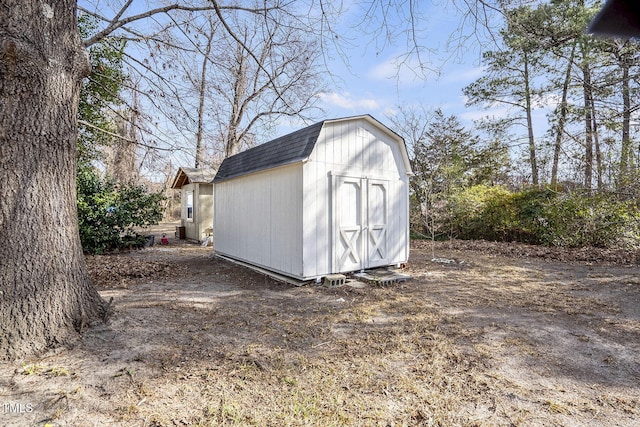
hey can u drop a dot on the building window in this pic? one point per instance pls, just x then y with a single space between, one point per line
190 205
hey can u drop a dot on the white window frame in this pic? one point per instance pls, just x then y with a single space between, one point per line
189 206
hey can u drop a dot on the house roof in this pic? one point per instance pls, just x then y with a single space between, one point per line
190 175
291 148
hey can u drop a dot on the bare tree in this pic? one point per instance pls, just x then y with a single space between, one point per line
252 78
46 296
202 86
285 60
120 153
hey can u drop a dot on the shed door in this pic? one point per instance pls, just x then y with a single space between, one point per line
361 214
377 218
348 212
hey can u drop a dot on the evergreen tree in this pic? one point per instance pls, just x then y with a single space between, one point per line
511 76
445 158
99 93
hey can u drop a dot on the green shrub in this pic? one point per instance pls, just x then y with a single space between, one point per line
580 219
481 212
108 213
543 216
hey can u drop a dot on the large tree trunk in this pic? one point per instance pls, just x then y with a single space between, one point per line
45 292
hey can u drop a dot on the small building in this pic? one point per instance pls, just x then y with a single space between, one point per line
328 199
196 212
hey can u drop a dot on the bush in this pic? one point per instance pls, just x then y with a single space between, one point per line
599 220
543 216
108 213
482 212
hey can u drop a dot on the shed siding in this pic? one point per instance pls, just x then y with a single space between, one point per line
190 225
202 222
357 149
204 211
261 221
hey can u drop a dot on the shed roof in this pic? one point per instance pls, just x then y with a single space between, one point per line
286 149
291 148
190 175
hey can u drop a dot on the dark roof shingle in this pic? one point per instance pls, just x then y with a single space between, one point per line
286 149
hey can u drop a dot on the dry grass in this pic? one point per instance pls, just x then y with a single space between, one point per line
376 360
482 342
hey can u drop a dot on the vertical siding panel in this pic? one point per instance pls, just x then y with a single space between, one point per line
196 211
393 158
344 157
382 156
334 142
297 202
317 153
358 145
349 161
370 145
205 209
352 142
284 219
316 205
362 148
330 142
309 209
325 135
317 231
323 215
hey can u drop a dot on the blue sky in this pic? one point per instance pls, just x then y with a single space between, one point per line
373 83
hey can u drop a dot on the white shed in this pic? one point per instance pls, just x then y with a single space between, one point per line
196 212
327 199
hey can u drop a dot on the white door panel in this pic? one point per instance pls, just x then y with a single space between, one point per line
377 218
349 219
361 211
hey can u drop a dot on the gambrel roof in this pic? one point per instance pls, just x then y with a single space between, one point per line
284 150
189 175
291 148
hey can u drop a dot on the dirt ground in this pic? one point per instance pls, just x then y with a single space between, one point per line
484 334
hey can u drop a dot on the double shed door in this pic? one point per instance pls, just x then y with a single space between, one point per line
361 213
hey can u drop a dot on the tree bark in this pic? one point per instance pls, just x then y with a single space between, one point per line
588 123
562 119
239 91
626 148
532 142
46 296
203 86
